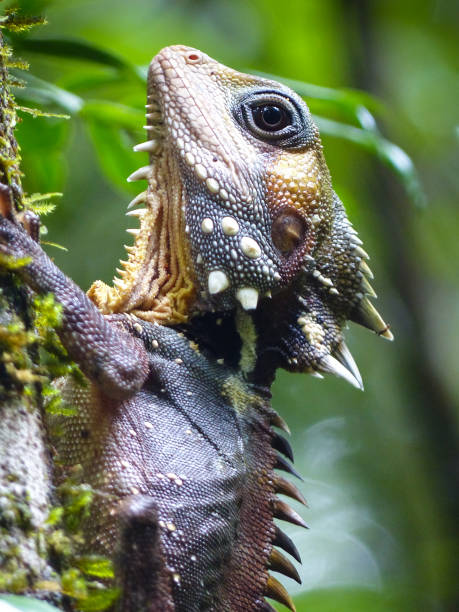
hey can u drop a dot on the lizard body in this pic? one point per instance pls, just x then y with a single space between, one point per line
244 262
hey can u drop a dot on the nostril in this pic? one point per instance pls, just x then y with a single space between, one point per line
193 58
288 232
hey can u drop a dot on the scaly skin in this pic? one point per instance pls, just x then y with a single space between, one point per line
244 262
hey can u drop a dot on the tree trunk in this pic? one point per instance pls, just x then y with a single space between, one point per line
25 486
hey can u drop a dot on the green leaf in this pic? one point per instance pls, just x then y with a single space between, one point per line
354 103
116 160
55 245
75 49
25 604
389 153
97 601
113 114
40 91
355 600
14 22
36 112
55 516
34 198
95 565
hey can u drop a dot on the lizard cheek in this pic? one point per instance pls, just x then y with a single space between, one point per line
288 232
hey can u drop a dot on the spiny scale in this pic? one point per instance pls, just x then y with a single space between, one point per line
361 252
138 175
149 146
366 269
138 212
285 487
365 314
368 289
343 354
284 465
331 365
282 540
278 563
282 511
275 590
266 607
282 445
278 421
139 199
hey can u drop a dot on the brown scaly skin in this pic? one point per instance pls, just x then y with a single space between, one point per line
244 262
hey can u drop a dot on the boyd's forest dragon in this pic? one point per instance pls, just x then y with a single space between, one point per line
244 262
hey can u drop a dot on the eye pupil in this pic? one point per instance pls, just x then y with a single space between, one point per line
271 118
272 115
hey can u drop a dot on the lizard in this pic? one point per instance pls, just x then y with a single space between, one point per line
244 262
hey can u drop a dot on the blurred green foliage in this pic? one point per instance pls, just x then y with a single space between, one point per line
380 467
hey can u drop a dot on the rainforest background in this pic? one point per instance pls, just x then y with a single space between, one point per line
380 467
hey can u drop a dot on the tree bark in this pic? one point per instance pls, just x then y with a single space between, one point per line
25 485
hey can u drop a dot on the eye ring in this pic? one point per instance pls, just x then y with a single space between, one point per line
274 117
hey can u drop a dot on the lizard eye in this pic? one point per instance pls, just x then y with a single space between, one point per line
271 118
274 117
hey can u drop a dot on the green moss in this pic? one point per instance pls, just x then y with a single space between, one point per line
31 357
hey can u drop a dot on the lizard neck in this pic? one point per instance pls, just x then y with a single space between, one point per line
157 281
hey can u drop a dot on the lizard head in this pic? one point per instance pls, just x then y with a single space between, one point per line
242 214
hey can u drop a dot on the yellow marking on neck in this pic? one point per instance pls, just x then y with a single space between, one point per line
246 330
157 283
235 391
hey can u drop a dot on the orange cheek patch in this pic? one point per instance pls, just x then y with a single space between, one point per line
296 179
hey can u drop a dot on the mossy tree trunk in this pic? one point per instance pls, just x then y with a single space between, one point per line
25 485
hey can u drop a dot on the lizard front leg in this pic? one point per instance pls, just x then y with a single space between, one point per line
111 358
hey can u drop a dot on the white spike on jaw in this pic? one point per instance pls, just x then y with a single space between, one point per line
366 269
139 199
355 240
139 175
138 212
149 146
248 297
368 289
316 375
217 282
345 357
133 231
118 283
333 366
361 252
